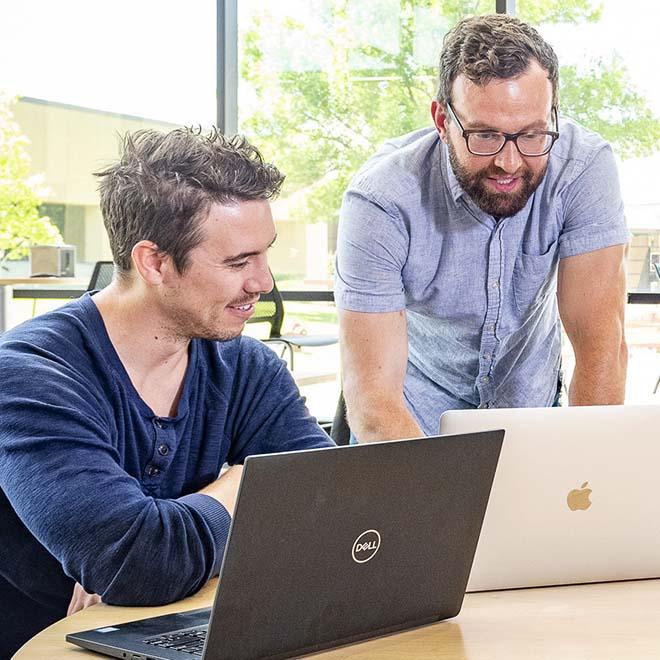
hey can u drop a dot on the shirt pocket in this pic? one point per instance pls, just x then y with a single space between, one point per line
534 278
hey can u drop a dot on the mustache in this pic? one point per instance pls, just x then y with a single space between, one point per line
496 172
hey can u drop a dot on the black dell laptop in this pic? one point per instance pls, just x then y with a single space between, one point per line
331 546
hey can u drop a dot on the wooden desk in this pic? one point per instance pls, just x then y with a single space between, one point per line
6 284
618 620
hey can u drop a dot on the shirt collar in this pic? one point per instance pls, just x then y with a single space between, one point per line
454 186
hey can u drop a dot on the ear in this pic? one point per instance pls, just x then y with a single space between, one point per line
150 263
439 114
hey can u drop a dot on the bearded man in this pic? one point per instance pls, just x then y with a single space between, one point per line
463 247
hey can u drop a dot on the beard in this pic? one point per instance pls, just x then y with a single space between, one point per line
498 204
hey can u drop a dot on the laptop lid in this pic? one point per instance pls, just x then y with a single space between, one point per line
330 546
573 498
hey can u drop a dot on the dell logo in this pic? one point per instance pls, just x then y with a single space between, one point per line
372 545
366 546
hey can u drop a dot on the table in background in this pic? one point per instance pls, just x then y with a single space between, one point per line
586 622
65 292
44 284
299 295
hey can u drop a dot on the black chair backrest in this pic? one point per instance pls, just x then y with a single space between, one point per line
101 276
270 309
340 431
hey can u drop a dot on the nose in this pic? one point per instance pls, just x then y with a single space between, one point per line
267 283
261 279
509 158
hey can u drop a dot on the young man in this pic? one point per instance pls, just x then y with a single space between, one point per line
461 246
119 409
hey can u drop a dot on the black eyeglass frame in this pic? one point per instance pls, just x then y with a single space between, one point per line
512 137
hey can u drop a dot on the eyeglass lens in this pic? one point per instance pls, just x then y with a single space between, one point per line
530 144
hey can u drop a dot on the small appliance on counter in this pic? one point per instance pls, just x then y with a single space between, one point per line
52 260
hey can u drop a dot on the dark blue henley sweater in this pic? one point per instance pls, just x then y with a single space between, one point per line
97 489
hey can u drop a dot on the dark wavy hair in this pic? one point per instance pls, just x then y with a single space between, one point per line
161 188
493 46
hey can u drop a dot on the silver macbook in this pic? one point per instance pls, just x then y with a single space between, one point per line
575 496
330 546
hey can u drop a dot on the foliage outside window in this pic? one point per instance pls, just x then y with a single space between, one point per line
21 223
327 82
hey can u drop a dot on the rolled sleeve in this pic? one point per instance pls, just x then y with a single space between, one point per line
593 208
372 248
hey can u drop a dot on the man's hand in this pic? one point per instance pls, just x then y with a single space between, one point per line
81 599
225 488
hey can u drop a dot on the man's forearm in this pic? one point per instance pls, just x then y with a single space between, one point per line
600 379
591 294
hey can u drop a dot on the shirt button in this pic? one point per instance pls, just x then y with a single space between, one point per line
163 450
490 328
487 355
495 284
485 379
153 471
158 424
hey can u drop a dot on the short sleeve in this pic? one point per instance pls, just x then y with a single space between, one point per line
372 248
592 208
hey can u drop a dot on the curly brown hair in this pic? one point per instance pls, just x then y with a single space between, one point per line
493 46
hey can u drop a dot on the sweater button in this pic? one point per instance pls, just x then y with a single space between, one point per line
163 450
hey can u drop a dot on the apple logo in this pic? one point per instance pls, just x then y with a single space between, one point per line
578 498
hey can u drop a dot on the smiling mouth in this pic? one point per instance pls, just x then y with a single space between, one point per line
246 307
503 183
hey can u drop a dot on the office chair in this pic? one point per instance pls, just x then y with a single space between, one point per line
101 275
270 309
339 430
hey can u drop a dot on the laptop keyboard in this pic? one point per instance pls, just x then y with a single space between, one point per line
190 640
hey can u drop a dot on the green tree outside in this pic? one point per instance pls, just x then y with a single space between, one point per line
320 125
21 223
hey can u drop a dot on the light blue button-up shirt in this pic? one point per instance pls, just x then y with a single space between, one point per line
479 295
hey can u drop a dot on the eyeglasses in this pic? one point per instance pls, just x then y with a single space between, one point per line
482 142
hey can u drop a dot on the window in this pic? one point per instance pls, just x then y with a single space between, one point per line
319 112
83 72
609 83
